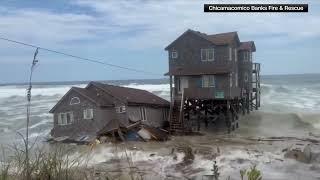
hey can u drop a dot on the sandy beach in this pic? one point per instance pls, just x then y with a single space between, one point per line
192 157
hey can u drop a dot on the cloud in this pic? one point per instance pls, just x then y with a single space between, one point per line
162 21
38 26
149 24
111 29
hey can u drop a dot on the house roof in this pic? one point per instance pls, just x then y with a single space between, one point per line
131 95
216 39
221 38
114 93
249 45
97 99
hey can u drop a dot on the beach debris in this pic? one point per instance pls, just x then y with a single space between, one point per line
305 155
133 132
188 155
315 167
314 141
297 154
151 133
279 159
61 139
157 133
81 139
314 135
207 152
144 134
132 136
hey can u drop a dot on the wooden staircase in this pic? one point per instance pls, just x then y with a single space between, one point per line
176 122
176 115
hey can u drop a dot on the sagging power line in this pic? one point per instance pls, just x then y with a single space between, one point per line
78 57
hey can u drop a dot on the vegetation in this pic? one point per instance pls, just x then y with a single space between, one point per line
254 173
55 164
215 170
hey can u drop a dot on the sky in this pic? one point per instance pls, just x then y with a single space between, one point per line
134 34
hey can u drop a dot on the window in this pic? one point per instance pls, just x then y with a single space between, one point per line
236 79
231 83
174 54
121 109
74 100
246 56
165 114
182 83
65 118
210 54
208 81
207 54
143 113
203 55
236 55
230 53
246 77
88 114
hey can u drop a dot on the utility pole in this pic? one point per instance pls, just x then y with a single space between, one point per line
34 62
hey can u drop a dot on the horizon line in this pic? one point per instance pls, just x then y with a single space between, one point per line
119 80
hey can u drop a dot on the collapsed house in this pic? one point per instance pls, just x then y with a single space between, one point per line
83 114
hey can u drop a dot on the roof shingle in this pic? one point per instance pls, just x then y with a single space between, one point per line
131 95
249 45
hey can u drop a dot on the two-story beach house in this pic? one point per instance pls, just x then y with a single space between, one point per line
211 77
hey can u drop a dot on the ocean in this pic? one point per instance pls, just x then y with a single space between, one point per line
290 107
285 99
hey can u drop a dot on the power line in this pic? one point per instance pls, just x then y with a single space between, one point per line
77 57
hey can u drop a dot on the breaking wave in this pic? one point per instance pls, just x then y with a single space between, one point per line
289 104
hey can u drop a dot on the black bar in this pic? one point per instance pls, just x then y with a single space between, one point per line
255 8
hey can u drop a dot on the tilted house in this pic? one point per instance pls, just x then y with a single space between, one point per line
210 77
102 108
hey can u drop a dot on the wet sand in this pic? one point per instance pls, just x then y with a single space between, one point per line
239 150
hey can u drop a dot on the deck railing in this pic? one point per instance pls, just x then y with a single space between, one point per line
212 93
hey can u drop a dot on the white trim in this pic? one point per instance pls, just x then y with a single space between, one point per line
204 53
121 109
235 55
174 54
77 99
246 56
63 118
206 81
208 52
246 77
236 79
231 79
88 114
230 53
143 113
